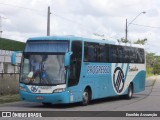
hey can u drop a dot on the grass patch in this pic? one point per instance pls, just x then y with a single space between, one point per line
7 44
149 72
9 98
149 75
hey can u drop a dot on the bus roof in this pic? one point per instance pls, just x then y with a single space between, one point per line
72 37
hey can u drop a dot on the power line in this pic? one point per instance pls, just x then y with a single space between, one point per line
17 6
74 22
40 11
81 25
144 25
69 20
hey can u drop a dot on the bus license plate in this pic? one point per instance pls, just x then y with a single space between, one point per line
39 97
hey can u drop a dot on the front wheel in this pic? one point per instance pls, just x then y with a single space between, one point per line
86 97
130 92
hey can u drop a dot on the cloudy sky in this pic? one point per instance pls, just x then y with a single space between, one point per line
28 18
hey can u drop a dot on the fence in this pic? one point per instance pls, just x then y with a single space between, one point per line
9 83
5 62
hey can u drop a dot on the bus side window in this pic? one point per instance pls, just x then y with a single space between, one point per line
140 55
133 55
90 52
126 55
120 54
143 55
102 53
113 54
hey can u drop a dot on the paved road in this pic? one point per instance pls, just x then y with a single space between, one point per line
148 100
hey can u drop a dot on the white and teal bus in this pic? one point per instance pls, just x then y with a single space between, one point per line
68 69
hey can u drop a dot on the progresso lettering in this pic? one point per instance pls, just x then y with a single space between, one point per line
98 69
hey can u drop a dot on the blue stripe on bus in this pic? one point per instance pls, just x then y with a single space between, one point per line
122 66
126 71
116 65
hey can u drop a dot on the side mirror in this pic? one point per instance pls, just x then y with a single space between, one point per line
67 58
13 57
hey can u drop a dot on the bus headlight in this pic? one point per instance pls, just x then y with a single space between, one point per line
22 88
58 90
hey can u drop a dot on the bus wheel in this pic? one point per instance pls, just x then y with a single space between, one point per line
130 92
86 97
46 104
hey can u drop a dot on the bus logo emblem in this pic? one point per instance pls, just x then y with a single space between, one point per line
118 79
34 88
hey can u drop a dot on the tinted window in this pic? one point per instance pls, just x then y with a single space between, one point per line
120 54
90 52
103 53
140 55
127 54
113 54
75 65
133 57
94 52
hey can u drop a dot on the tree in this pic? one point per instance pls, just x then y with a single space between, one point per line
152 63
150 58
156 65
143 41
122 40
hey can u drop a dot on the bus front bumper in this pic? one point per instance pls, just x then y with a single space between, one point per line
54 98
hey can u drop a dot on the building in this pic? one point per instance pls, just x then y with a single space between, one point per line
7 46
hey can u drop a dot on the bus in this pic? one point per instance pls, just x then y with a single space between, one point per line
69 69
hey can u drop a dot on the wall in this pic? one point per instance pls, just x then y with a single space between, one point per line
9 83
5 62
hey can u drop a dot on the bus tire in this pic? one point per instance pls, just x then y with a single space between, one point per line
86 97
46 104
130 92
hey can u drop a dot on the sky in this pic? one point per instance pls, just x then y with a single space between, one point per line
22 19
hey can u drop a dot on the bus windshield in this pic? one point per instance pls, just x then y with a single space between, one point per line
43 69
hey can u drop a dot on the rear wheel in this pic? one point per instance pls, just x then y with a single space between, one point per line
86 97
46 104
130 92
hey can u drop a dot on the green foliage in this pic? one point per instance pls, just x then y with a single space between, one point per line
152 63
143 41
9 98
7 44
150 58
122 40
149 71
156 65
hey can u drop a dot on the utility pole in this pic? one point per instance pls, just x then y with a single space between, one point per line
48 21
126 31
127 25
1 25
